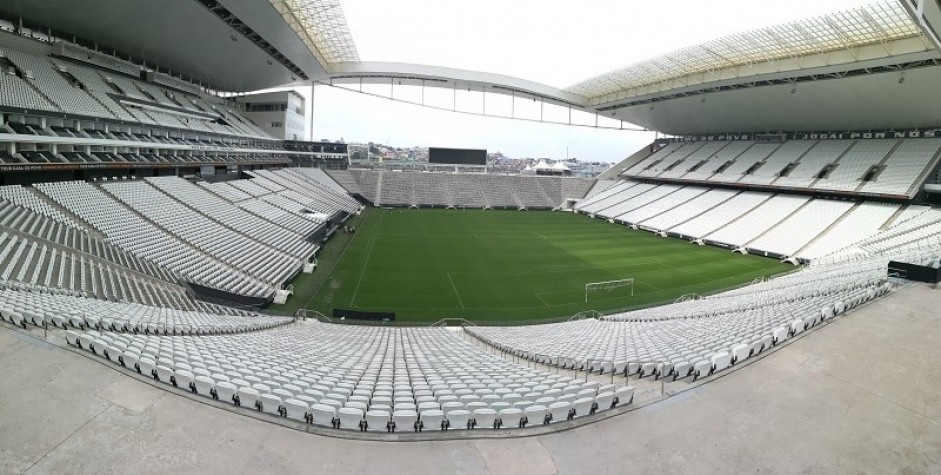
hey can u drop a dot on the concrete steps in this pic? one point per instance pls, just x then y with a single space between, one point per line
705 211
828 228
772 228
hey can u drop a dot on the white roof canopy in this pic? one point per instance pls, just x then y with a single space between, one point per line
542 165
322 27
878 23
864 40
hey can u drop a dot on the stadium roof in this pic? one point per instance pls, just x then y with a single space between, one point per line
322 26
245 45
879 23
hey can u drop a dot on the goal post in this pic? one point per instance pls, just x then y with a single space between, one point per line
608 285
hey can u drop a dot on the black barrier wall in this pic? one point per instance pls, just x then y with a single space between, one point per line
357 315
227 298
915 272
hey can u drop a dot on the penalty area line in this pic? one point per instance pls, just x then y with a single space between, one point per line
370 246
455 289
541 299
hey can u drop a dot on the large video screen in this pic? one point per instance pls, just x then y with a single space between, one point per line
457 156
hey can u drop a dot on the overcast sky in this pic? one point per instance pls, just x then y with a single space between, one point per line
550 41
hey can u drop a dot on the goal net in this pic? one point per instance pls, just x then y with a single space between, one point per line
608 286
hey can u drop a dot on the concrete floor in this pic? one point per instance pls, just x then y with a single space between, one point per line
861 395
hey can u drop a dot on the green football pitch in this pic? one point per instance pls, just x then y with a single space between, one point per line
425 265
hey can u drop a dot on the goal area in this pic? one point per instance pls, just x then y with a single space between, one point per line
608 286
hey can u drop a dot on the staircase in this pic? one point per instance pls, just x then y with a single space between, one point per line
625 199
833 163
889 222
483 196
378 188
91 230
772 228
707 210
792 163
549 200
677 205
742 216
827 229
42 94
626 164
880 164
512 191
923 176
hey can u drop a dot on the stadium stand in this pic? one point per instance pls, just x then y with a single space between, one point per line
699 338
529 194
811 164
359 378
22 305
298 201
641 195
904 166
758 220
397 189
233 217
496 192
288 219
224 244
599 186
462 386
368 183
612 196
42 84
721 158
462 189
670 202
52 83
29 223
175 229
801 227
17 93
743 163
853 166
863 221
781 225
680 214
770 169
571 188
700 156
892 167
26 198
346 179
721 215
321 193
138 235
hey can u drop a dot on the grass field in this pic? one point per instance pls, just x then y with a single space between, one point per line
508 265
